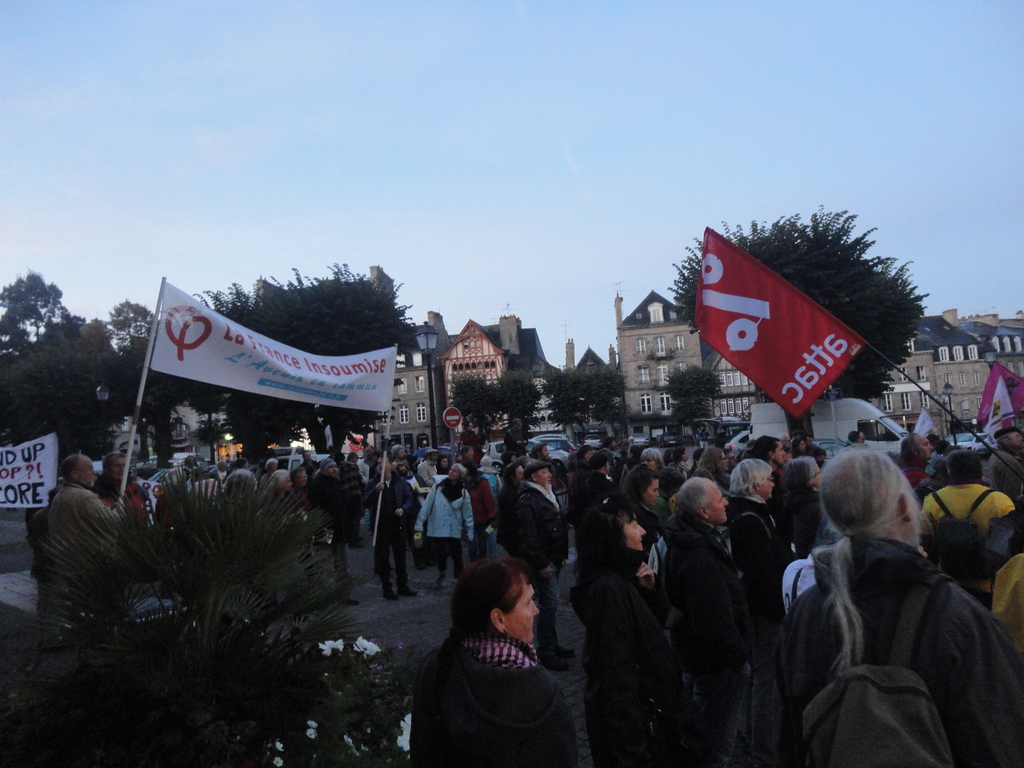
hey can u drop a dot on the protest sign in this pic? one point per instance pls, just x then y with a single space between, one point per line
28 472
194 342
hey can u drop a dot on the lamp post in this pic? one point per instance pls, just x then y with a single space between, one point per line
948 392
102 394
426 337
991 352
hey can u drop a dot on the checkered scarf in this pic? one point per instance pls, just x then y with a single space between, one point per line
500 651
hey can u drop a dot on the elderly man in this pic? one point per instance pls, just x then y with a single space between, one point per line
711 620
544 544
76 504
853 615
1007 465
427 470
390 500
915 453
108 488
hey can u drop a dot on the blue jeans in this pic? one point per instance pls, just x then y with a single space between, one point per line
545 636
720 697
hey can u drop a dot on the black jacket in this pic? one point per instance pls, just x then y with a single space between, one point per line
543 537
803 508
963 653
508 521
491 716
702 582
335 498
397 494
760 555
629 664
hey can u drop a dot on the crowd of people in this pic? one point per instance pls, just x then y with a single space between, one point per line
722 596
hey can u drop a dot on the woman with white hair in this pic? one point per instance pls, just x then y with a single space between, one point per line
853 616
762 556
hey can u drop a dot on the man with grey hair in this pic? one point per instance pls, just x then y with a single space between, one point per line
711 618
915 453
851 616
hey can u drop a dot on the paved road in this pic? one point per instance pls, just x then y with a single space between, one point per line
419 623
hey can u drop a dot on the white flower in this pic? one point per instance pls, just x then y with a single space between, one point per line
403 740
332 645
278 762
365 647
312 724
311 733
279 746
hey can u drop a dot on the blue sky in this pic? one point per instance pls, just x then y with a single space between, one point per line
493 157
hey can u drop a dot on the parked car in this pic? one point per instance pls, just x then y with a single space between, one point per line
559 447
966 441
739 443
640 439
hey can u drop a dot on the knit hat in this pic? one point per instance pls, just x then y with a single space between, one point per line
327 464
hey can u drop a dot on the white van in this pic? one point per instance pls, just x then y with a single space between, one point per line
833 420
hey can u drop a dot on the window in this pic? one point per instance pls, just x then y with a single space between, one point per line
641 346
644 374
943 354
728 379
903 374
887 403
401 387
963 379
662 374
679 342
746 381
977 378
965 406
1006 343
659 345
666 403
645 403
721 408
912 346
421 412
421 383
972 352
924 400
403 414
922 373
732 407
945 378
417 359
721 378
746 404
1017 344
656 314
958 353
905 401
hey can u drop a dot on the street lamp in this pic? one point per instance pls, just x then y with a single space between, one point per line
991 351
948 392
102 393
426 337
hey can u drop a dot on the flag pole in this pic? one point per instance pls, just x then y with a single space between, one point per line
142 383
952 416
384 458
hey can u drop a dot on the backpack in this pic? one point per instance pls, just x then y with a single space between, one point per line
873 715
962 550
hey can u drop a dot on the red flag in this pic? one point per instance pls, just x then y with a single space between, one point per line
786 343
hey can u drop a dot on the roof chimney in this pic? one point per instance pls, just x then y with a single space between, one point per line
570 355
618 310
611 355
508 330
952 317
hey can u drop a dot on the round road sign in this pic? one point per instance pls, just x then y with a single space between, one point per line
452 417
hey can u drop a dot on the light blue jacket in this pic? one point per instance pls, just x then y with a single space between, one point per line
445 519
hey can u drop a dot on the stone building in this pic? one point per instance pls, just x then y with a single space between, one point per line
652 342
948 349
738 391
410 404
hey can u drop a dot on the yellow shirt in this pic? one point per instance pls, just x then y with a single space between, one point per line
959 498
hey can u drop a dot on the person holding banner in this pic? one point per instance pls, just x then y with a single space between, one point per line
391 501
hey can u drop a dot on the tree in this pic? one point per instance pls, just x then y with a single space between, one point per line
604 391
581 396
692 389
33 311
478 400
873 295
519 396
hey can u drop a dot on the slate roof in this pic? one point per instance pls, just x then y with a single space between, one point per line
531 354
645 317
935 331
589 359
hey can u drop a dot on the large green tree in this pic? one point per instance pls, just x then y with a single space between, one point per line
519 396
341 314
691 389
828 261
478 400
584 395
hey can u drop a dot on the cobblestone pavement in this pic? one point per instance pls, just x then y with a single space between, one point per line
420 623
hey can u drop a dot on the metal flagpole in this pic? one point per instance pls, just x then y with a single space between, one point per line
383 459
142 382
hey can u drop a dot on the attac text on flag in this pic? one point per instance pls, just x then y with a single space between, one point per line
786 343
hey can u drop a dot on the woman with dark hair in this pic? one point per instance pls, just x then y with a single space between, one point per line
508 498
485 515
636 708
803 478
482 698
714 467
444 464
641 490
447 513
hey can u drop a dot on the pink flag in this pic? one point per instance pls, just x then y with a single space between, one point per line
1014 388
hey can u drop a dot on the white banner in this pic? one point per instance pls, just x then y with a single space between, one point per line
28 472
195 342
924 423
